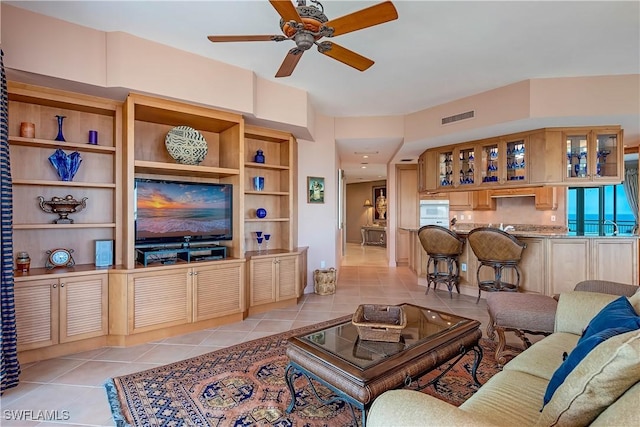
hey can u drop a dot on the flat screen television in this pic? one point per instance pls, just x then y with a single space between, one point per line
177 212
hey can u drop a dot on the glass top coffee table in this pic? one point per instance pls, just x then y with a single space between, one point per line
358 371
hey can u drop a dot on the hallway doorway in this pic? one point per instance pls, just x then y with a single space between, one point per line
369 256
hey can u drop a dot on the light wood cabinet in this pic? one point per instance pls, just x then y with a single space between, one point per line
273 278
568 263
159 299
551 156
531 265
59 310
615 259
461 201
218 290
97 179
482 201
593 155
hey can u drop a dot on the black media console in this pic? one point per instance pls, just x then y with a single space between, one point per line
169 255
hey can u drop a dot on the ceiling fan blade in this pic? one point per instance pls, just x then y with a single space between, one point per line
290 62
374 15
264 38
345 55
286 10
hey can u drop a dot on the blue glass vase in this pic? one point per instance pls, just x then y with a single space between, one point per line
65 164
259 157
60 136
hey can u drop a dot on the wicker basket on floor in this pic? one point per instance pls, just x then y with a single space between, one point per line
379 322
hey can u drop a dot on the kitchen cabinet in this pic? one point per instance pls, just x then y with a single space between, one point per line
482 201
568 263
60 309
541 157
531 264
546 198
272 277
593 155
615 259
461 201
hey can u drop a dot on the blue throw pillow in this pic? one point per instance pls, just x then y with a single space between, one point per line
580 352
618 313
615 318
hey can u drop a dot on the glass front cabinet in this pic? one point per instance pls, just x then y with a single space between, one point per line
592 155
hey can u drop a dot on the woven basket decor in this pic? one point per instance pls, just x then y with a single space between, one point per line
379 322
186 145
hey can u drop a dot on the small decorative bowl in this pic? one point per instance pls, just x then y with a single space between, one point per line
261 212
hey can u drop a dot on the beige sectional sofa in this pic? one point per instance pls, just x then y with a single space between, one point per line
603 390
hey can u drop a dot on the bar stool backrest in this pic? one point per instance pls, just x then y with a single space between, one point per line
437 240
492 244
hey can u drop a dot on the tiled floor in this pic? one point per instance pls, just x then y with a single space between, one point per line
71 388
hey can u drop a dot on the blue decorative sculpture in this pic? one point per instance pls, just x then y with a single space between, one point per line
66 164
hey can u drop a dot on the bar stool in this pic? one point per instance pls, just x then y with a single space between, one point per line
499 250
442 245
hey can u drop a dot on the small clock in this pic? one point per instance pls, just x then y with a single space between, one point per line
59 258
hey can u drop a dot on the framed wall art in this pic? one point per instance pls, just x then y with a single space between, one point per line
315 189
380 204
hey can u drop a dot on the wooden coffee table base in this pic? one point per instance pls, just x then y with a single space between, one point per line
359 392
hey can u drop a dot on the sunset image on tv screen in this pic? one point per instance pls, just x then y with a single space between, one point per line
172 209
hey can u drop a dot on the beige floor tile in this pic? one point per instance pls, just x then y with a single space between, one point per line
125 354
76 380
47 370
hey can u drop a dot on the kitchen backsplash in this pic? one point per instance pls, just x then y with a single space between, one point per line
517 209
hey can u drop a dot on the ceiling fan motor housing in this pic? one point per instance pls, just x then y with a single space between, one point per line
312 18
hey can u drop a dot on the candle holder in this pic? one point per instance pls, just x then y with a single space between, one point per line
63 207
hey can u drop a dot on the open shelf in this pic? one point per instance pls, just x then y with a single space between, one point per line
149 167
63 183
47 143
46 226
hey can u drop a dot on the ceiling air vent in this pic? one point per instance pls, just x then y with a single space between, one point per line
457 117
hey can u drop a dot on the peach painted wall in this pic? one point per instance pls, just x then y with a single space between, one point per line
369 127
151 67
51 47
272 99
504 104
318 223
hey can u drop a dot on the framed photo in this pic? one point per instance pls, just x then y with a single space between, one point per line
315 189
380 204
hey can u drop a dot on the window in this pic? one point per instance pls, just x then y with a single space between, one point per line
599 211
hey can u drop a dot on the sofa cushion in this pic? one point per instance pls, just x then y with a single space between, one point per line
615 318
576 309
607 372
575 357
509 398
544 357
617 314
635 301
623 412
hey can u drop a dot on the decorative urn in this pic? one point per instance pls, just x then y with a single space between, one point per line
63 207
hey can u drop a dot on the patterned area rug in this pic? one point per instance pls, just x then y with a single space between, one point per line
244 385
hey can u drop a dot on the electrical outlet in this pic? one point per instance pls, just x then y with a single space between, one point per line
323 264
461 216
463 266
553 218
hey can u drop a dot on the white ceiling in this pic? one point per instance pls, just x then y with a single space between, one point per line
435 52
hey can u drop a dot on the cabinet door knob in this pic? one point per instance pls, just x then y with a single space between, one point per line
55 286
195 273
62 285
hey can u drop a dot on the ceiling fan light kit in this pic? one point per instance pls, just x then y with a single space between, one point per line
306 24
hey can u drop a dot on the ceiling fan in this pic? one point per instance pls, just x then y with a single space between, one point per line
306 25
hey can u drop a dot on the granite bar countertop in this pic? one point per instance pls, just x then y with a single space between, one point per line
526 230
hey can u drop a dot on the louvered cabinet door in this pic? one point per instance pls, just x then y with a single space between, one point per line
287 277
262 281
83 307
36 303
218 291
159 299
